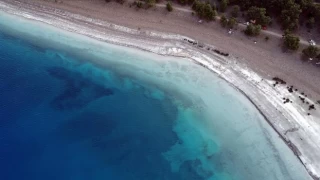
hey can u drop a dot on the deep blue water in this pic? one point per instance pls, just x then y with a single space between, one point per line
59 122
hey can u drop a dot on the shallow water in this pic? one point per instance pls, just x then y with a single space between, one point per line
75 108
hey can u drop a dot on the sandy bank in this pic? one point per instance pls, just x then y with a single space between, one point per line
290 120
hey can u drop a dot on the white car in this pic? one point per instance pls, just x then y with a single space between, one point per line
312 42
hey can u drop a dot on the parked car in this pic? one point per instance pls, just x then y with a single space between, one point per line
312 42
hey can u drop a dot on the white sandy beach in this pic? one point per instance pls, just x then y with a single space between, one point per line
243 70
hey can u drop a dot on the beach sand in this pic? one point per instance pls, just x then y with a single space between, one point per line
141 29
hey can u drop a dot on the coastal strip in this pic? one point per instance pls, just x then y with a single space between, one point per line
259 90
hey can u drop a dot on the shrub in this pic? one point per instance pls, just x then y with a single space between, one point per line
310 51
223 21
291 41
169 7
232 22
138 4
253 30
150 3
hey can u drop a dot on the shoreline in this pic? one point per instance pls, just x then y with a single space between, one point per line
263 57
236 74
292 147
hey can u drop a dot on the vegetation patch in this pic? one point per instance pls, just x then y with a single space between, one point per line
204 10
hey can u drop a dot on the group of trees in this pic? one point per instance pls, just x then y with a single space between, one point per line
204 10
290 13
259 15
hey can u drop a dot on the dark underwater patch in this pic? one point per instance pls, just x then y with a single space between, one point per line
79 91
88 126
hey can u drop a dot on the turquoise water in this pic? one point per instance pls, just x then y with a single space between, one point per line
75 108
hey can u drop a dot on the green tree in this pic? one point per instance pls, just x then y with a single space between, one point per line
209 13
258 14
235 11
232 22
310 51
223 5
253 30
287 11
198 7
138 4
291 41
169 7
223 21
204 10
150 3
290 15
